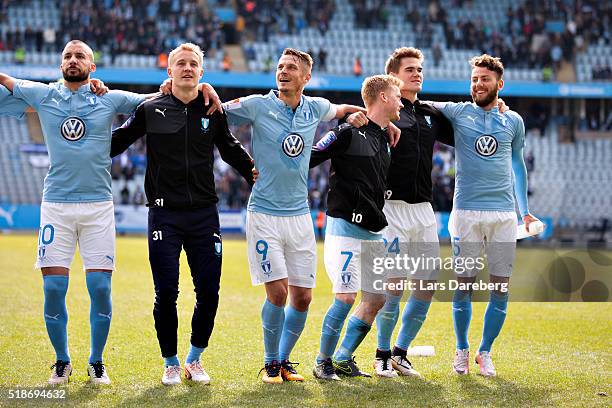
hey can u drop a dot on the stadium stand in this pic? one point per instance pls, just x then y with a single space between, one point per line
123 33
21 177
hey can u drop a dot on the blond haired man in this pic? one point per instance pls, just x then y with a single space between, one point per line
360 159
180 190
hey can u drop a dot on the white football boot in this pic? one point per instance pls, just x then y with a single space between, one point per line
196 373
403 366
461 364
483 359
97 373
61 373
172 375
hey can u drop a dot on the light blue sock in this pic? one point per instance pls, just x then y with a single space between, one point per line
272 319
100 312
292 328
56 314
194 354
493 319
332 326
356 330
413 317
386 320
171 361
462 314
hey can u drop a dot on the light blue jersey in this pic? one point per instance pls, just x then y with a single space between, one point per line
281 145
11 106
488 148
77 130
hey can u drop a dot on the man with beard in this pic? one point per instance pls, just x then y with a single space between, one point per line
490 173
77 203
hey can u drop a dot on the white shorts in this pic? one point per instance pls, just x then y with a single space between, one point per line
471 231
62 225
281 247
413 230
344 257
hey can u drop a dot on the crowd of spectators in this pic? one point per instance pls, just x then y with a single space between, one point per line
116 27
262 18
534 34
604 73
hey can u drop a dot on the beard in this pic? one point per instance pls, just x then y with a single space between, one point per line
80 77
486 99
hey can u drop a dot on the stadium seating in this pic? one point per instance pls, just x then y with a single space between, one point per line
21 182
343 42
34 14
597 55
568 178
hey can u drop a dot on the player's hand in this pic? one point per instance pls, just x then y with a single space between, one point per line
503 108
210 94
528 219
394 134
166 87
357 119
98 87
255 172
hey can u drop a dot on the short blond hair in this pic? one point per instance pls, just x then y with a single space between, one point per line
491 63
395 59
304 57
188 47
374 85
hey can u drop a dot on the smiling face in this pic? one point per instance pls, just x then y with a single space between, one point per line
186 69
485 86
411 74
291 74
77 62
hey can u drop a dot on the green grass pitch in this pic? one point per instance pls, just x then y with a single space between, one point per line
549 354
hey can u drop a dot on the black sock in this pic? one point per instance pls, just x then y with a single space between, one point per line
384 354
399 352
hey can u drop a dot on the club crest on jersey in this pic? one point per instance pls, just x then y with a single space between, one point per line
486 145
346 277
293 145
308 116
428 120
73 129
266 268
204 124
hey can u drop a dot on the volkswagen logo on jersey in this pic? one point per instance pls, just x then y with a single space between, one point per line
486 145
73 129
293 145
